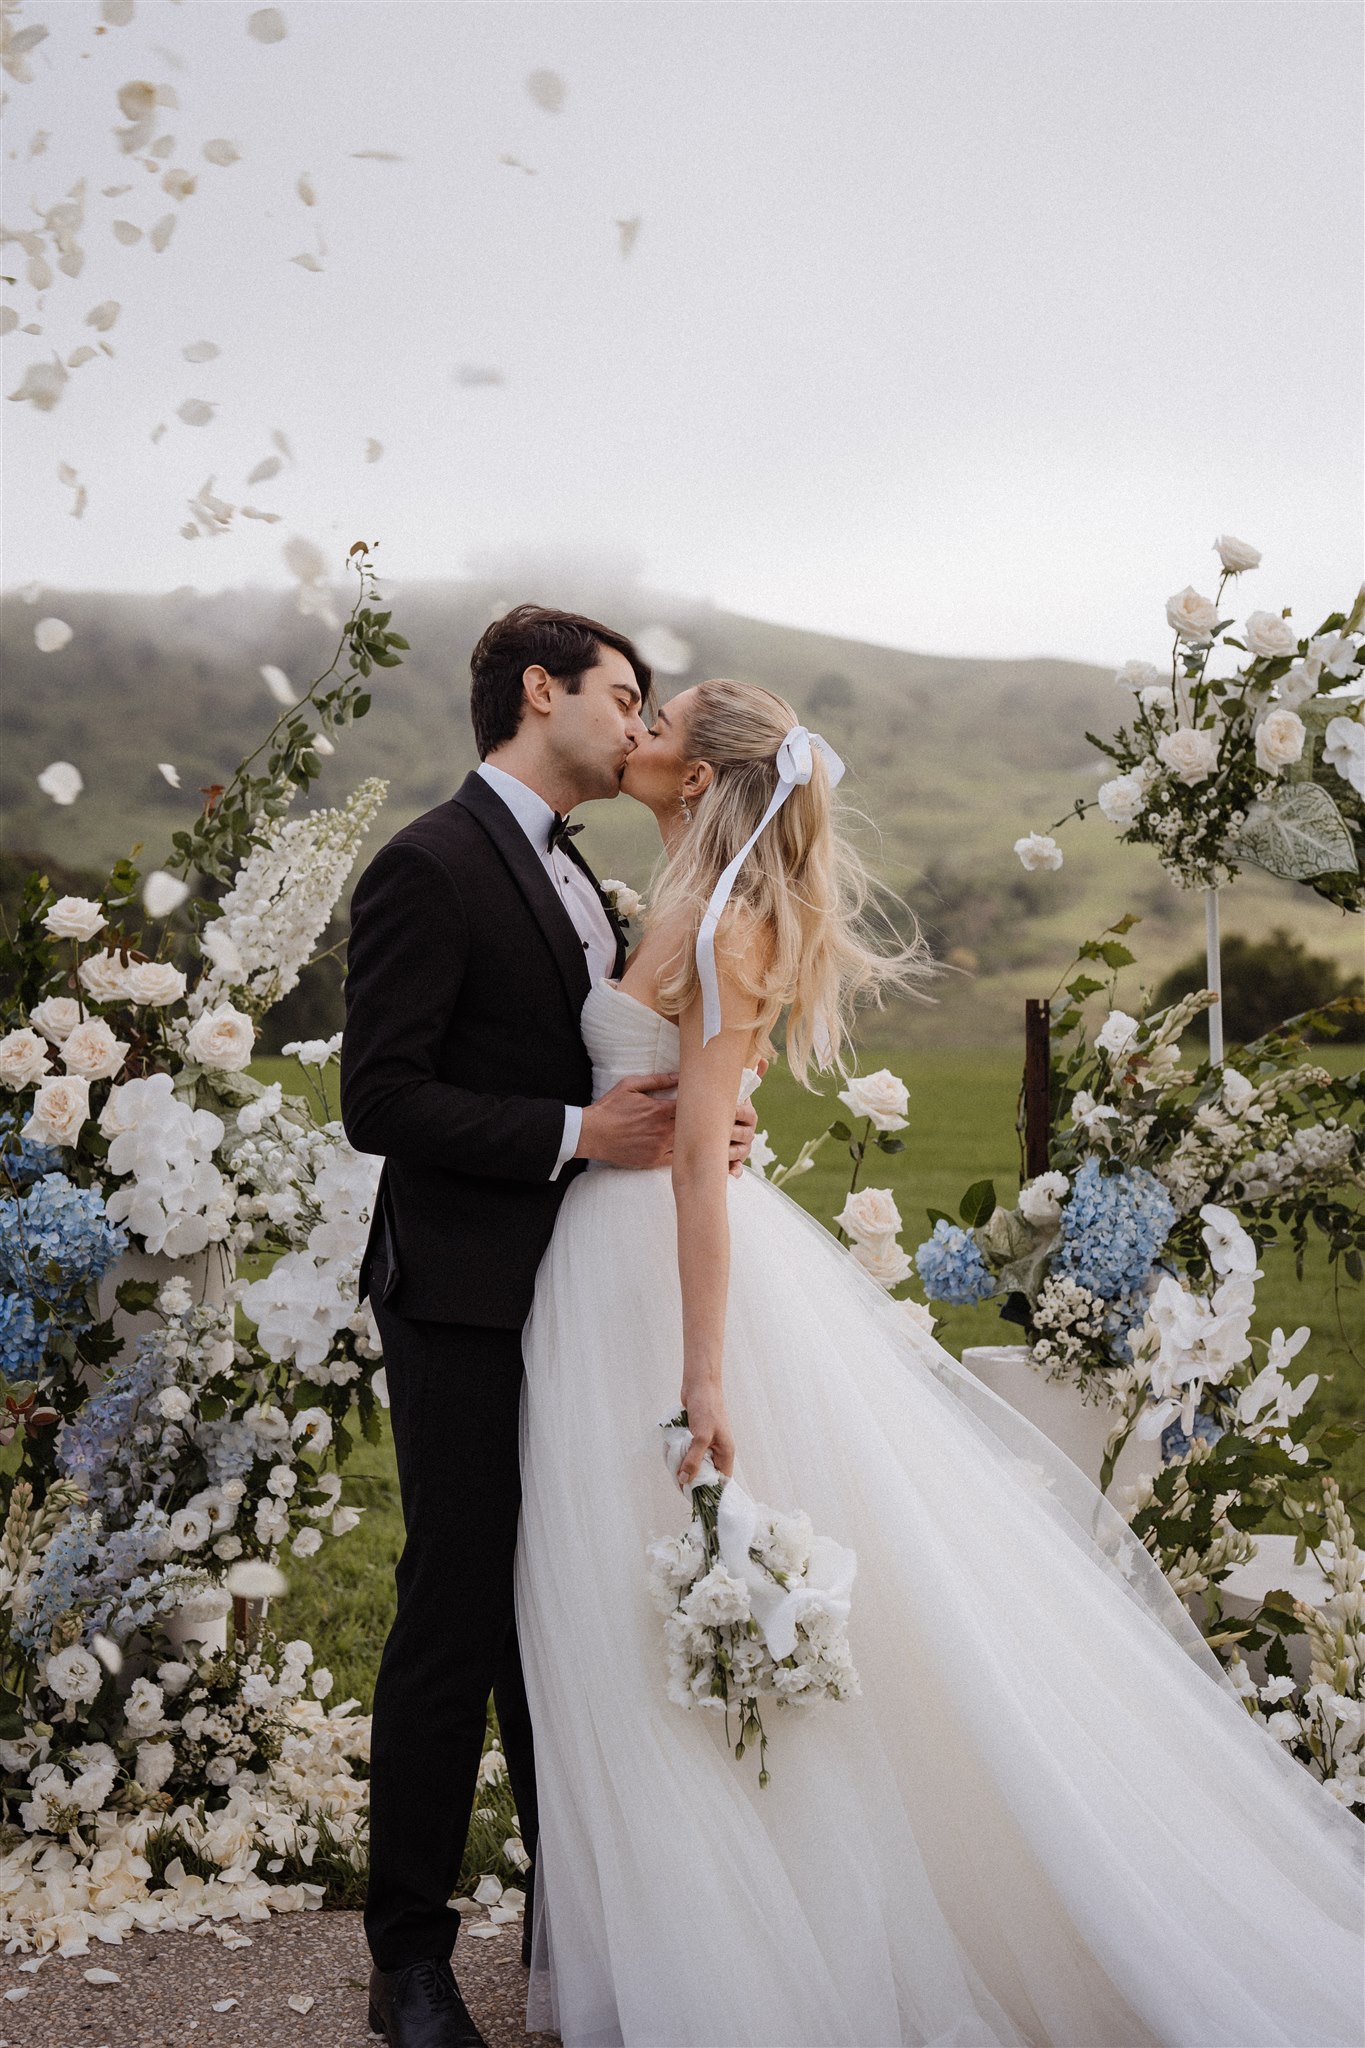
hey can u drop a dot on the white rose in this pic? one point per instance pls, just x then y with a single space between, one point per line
1270 636
190 1527
155 1762
1343 748
1191 616
57 1017
1191 753
1041 1200
174 1677
884 1259
222 1038
1038 850
1237 1090
1122 799
60 1108
74 917
307 1542
321 1682
92 1049
154 982
104 977
1297 685
883 1096
1236 555
1137 675
1117 1034
143 1709
919 1313
1279 740
625 901
73 1674
174 1403
870 1214
1158 701
23 1057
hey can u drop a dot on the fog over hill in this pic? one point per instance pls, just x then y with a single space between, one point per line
949 759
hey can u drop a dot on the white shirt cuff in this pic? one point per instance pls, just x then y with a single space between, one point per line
573 1127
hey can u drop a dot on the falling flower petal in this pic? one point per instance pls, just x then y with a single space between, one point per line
114 191
42 385
547 89
380 156
306 189
373 450
195 412
279 685
300 2002
79 503
66 473
221 151
118 13
253 1578
278 438
266 25
103 316
163 893
127 232
304 559
157 432
38 147
9 319
51 635
321 744
137 99
306 262
270 466
178 183
162 232
170 771
514 163
626 232
478 373
110 1656
270 518
665 650
200 352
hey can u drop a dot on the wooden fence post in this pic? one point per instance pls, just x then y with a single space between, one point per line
1037 1063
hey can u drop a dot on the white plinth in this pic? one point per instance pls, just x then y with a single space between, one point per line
1080 1428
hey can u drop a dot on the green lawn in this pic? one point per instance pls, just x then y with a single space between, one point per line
961 1129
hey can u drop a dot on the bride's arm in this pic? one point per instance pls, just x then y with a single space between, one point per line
708 1087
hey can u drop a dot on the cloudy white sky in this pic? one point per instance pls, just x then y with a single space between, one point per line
963 327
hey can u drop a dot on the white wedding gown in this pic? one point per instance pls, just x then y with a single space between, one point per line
1048 1819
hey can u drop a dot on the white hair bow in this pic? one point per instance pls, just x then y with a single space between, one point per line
795 765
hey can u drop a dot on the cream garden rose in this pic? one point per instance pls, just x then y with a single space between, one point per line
155 983
870 1214
57 1017
60 1109
222 1039
1122 799
886 1261
104 978
1040 1201
1038 850
1137 675
883 1096
23 1057
1279 740
1236 555
1269 635
1190 752
92 1049
74 917
1191 616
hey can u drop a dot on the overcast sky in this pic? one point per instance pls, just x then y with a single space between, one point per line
964 327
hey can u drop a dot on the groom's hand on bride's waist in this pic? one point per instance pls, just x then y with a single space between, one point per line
630 1126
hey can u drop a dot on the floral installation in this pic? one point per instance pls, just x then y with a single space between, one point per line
755 1605
182 1428
1265 765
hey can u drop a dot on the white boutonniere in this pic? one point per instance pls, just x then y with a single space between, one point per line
626 902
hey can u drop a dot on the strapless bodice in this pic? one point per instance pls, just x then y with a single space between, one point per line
624 1036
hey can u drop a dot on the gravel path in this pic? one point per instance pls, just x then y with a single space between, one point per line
169 1983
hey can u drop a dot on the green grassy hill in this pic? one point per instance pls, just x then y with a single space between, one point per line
949 759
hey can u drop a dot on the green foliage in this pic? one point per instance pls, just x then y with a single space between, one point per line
1265 982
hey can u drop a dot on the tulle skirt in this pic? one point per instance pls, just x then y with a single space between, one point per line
1048 1819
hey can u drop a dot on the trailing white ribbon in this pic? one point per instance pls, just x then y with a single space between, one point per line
826 1583
795 765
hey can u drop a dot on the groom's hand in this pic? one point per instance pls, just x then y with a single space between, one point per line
628 1127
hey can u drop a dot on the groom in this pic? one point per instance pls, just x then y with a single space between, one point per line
476 933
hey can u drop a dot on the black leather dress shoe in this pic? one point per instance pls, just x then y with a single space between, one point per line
421 2007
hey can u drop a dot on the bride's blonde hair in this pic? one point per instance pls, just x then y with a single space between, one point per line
803 890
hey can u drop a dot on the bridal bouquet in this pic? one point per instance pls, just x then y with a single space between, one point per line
755 1604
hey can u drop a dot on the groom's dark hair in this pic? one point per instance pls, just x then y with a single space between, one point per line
564 644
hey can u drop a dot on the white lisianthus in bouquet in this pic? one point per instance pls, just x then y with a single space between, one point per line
151 1467
1264 765
755 1604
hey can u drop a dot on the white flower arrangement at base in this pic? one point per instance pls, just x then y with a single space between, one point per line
755 1604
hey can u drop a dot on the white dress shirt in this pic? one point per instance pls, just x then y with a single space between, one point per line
575 892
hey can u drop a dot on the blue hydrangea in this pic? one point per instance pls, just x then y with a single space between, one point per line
951 1266
1113 1227
57 1224
1175 1443
21 1338
23 1159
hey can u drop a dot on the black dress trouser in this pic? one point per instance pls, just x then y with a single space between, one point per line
454 1402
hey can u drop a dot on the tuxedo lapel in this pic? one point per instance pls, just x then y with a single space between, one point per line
528 872
613 920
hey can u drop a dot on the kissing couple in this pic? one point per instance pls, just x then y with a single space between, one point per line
1048 1820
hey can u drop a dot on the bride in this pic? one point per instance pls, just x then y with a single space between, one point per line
1048 1819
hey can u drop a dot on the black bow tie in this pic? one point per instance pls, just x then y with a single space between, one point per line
561 832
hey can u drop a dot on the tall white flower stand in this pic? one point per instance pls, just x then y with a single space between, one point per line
1080 1428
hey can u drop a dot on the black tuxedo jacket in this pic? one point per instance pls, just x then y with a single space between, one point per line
464 983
